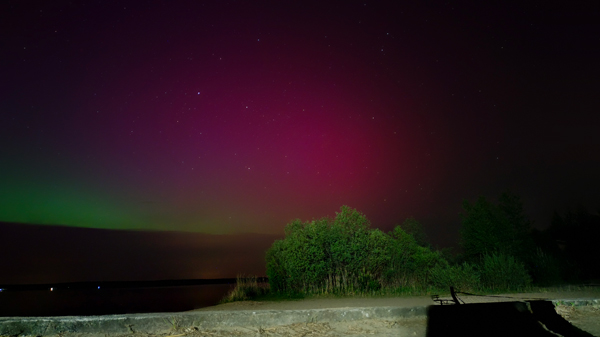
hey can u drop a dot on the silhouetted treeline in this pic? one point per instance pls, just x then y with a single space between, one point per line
573 239
500 251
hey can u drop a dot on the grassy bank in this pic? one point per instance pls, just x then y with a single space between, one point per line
248 288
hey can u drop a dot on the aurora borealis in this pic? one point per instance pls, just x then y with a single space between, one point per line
237 117
174 127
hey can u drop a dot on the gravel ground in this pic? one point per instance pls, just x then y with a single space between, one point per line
586 318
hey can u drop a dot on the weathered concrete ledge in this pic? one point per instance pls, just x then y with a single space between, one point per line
578 302
158 323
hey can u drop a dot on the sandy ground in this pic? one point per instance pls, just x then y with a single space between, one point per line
373 327
585 318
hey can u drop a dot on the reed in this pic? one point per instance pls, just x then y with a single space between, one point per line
246 288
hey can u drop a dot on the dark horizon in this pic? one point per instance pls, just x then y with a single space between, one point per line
93 285
77 256
62 254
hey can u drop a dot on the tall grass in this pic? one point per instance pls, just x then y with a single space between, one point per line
503 272
246 288
464 277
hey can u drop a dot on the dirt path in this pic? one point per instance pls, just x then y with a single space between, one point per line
324 303
408 301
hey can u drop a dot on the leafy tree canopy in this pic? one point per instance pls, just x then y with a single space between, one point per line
488 228
414 228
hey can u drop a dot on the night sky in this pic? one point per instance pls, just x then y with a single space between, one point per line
235 117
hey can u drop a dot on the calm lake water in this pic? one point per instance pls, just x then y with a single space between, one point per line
67 302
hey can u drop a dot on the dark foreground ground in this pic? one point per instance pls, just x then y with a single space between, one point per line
580 309
566 313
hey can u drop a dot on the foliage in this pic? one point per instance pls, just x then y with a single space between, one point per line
345 256
414 228
547 269
450 254
276 269
502 228
464 277
246 288
502 271
577 233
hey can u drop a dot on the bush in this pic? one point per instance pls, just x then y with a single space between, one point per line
344 256
489 228
546 269
276 269
246 288
503 272
463 277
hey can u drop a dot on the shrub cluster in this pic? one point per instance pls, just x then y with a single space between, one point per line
500 252
345 256
503 272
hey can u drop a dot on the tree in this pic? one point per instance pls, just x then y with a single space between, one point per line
314 254
577 233
414 228
344 255
519 226
503 228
